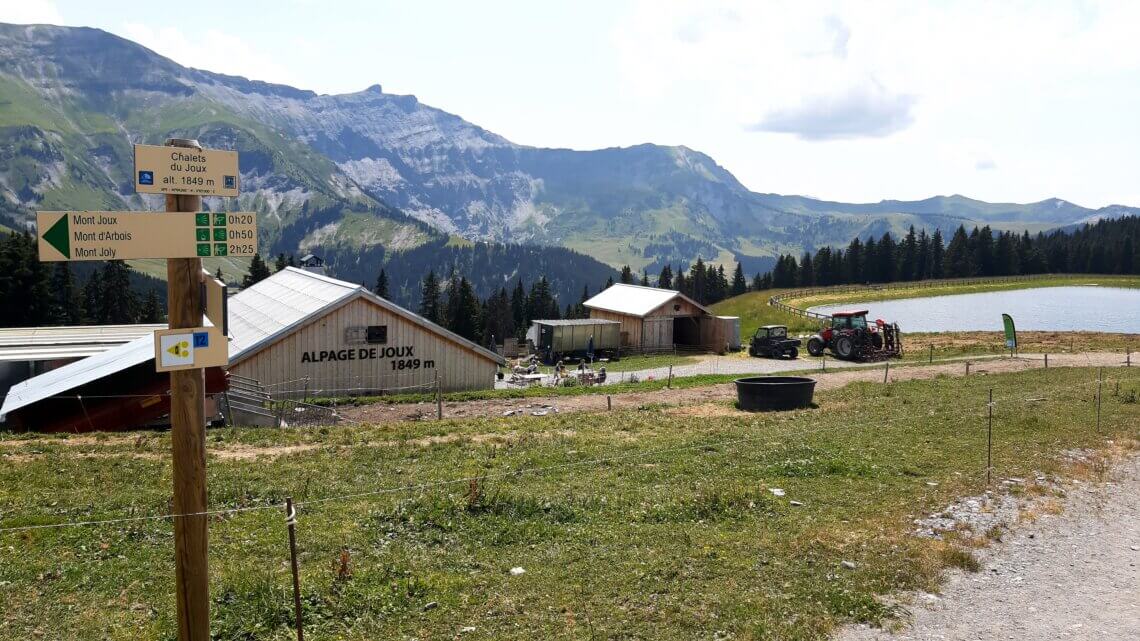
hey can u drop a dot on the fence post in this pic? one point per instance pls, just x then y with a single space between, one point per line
967 368
670 383
931 354
823 363
1046 360
990 437
1128 359
291 523
1099 383
886 371
438 397
609 403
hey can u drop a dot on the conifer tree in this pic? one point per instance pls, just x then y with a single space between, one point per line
429 299
381 288
258 271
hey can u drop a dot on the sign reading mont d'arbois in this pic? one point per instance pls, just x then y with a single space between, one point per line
183 170
117 235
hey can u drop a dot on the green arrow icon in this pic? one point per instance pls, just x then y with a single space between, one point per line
57 236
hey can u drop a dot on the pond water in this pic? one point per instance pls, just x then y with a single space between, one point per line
1099 309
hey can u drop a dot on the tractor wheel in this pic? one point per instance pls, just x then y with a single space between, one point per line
844 348
877 340
815 346
792 353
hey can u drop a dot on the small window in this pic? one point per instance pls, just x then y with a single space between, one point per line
377 334
677 307
355 335
778 332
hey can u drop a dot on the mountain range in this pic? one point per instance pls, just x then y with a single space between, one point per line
334 173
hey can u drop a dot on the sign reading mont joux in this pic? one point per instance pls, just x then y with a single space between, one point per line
182 170
117 235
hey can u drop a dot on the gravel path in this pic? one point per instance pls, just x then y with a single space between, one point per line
1072 576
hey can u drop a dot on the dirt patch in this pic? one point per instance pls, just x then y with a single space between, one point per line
705 410
247 453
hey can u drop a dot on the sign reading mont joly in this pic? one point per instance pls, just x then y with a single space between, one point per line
116 235
182 170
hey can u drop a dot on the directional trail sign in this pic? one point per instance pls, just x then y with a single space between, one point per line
193 348
115 235
183 170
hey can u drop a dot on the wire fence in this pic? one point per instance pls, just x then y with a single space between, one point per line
326 526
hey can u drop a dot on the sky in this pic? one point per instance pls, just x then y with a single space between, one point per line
852 101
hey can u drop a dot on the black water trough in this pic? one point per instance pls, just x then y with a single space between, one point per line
759 393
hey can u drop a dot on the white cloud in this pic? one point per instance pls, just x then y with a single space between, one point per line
30 12
214 50
863 110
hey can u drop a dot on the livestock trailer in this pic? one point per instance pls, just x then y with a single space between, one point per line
575 338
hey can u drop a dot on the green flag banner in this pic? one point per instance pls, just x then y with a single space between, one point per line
1010 331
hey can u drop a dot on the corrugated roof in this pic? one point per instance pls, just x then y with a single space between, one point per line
264 310
635 300
51 343
259 316
72 375
576 321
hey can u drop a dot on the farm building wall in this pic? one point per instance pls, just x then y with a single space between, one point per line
630 325
331 353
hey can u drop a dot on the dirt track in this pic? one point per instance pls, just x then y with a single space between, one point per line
1073 576
383 413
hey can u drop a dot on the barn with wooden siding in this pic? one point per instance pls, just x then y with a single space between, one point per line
653 318
306 333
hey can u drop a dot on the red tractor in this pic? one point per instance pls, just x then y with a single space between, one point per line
851 338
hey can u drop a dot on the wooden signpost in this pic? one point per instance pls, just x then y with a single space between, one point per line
117 235
191 171
184 172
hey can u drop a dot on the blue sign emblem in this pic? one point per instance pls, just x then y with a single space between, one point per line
201 339
229 182
146 177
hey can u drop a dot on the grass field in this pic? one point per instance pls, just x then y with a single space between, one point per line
655 523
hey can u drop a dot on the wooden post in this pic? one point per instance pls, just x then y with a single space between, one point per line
609 403
886 371
291 524
990 437
438 397
1046 360
967 368
188 440
670 383
932 354
1099 382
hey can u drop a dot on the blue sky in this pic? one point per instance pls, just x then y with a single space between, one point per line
854 101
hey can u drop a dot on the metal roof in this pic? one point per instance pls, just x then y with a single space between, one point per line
53 343
262 311
575 321
72 375
260 315
636 300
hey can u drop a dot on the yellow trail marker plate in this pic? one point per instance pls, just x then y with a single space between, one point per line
192 348
116 235
182 170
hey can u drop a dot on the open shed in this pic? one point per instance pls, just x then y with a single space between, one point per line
654 318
